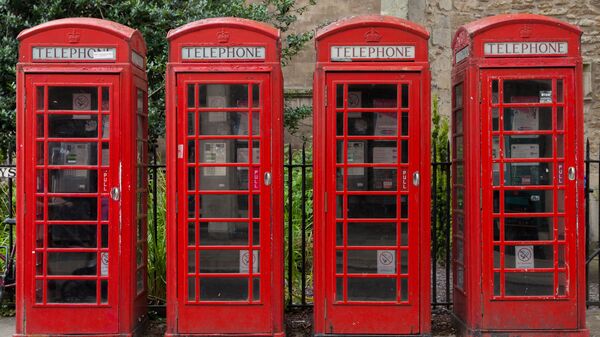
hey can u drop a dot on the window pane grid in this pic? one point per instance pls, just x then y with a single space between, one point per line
526 250
200 286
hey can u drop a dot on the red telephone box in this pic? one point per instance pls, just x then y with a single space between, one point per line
518 178
81 178
224 149
371 178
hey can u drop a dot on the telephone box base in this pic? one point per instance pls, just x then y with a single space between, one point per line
277 334
342 335
463 331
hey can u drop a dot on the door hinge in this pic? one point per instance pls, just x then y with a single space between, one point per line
326 202
326 95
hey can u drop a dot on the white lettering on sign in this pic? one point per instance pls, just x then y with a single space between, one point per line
461 54
524 257
74 53
349 53
8 172
525 48
223 53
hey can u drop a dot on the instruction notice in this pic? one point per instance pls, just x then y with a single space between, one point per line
215 153
386 262
356 155
245 261
524 257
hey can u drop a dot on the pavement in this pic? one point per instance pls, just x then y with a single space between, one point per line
7 324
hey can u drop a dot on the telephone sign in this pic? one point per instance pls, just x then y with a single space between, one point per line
82 134
518 232
371 145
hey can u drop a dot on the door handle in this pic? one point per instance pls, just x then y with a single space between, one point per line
571 173
268 179
416 178
115 193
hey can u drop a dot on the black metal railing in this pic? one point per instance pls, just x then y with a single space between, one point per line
299 223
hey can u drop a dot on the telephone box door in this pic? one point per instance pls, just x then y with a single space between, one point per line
72 223
224 216
529 206
372 228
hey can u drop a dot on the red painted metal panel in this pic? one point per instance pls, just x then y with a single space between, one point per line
75 122
518 243
224 120
373 102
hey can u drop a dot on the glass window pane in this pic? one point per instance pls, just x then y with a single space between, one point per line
71 291
405 96
531 201
191 123
339 94
256 289
39 93
370 124
191 288
523 174
105 99
223 289
528 91
404 123
223 233
559 91
372 96
72 181
63 153
62 263
371 206
105 126
371 289
223 206
72 208
190 96
495 91
372 179
228 151
72 98
404 234
458 121
228 261
339 289
529 284
536 146
560 122
72 236
528 119
255 95
521 257
528 229
371 234
223 123
223 95
191 261
39 126
458 96
372 261
223 178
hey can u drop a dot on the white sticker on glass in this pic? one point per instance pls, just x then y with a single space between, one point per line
386 262
524 257
245 261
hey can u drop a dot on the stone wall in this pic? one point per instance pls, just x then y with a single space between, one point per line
442 18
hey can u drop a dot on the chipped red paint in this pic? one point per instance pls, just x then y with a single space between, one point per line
97 54
225 51
373 50
490 55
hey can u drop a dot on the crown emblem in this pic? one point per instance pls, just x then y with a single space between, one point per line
525 31
372 36
73 37
222 36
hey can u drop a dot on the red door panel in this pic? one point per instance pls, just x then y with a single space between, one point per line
224 217
372 232
72 222
529 213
